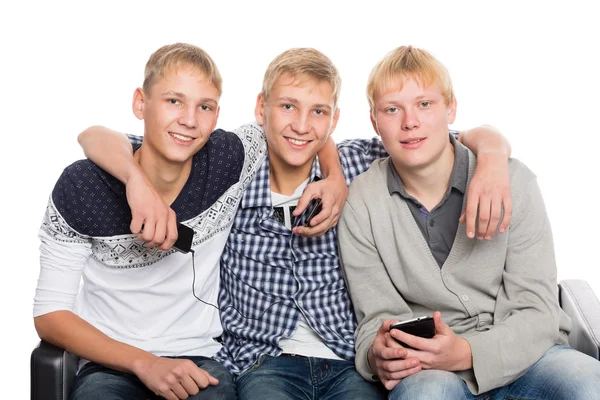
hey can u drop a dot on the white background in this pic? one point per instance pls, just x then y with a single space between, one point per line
529 68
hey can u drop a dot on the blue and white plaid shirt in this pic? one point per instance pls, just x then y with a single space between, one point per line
269 277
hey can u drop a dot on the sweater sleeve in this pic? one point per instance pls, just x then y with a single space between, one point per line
526 316
373 294
63 256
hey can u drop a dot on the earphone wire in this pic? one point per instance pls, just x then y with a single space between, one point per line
214 306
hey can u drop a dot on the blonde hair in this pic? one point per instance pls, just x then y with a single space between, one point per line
178 55
407 62
302 61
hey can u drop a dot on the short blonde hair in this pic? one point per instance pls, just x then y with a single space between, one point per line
302 61
408 62
174 56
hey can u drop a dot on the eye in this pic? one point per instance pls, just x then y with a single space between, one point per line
320 112
287 107
174 101
391 110
425 104
205 107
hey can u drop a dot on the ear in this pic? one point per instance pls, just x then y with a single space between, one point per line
374 123
259 110
452 112
336 117
139 102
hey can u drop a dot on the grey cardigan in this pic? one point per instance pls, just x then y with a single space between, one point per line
500 295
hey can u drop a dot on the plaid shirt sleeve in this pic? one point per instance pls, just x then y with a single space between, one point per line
357 155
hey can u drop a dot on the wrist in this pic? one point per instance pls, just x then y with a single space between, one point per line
371 361
466 361
142 363
132 172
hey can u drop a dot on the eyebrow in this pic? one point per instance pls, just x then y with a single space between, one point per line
183 96
295 101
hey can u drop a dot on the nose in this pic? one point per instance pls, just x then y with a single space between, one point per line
188 117
301 124
410 120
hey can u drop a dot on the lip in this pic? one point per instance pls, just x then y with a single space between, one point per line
297 146
414 145
179 141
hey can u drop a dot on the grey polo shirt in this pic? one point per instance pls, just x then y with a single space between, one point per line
439 225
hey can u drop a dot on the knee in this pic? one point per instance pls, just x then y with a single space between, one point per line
567 371
430 384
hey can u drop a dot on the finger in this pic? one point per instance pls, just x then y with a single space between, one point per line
160 233
471 214
484 216
392 343
389 384
201 377
413 341
148 232
326 212
137 221
314 231
406 372
336 213
309 193
168 395
189 385
385 326
179 391
496 209
393 353
440 326
171 231
401 368
212 381
463 218
507 207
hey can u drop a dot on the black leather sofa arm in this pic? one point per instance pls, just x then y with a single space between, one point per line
52 372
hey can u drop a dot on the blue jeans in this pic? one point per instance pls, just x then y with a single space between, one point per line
308 378
95 382
561 373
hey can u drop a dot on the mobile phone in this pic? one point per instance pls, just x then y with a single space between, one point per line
421 326
314 207
185 235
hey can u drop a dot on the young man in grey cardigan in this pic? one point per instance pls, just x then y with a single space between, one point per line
503 332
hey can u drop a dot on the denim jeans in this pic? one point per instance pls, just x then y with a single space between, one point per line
95 382
307 378
562 373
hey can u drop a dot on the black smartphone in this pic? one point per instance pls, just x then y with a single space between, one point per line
185 235
314 207
421 326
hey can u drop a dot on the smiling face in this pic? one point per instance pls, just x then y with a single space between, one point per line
413 122
298 117
179 112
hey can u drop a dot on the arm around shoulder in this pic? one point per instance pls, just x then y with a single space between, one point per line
111 150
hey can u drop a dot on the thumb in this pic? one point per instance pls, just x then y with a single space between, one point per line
441 328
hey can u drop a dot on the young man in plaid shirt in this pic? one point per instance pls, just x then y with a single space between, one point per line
287 317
